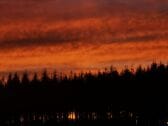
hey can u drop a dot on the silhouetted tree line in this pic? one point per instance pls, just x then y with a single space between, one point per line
142 91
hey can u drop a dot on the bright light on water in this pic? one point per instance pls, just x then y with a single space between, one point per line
71 116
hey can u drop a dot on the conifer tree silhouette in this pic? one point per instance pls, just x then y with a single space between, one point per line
16 80
25 79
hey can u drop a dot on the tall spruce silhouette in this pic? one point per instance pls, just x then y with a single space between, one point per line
25 79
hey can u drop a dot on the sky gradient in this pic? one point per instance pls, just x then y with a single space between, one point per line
82 35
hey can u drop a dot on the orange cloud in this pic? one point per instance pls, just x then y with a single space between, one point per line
86 57
81 35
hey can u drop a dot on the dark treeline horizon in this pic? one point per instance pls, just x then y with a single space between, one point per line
72 75
142 91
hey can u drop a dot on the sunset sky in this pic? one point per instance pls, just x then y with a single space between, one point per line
81 35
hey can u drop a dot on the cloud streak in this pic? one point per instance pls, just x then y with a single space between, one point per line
94 30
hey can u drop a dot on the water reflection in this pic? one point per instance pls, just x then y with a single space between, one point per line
71 116
59 117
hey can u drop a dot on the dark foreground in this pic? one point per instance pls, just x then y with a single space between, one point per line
133 97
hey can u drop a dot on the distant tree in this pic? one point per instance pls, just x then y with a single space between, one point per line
60 76
127 74
55 78
35 80
113 73
9 80
161 68
13 82
81 75
25 79
75 77
153 68
16 80
71 75
140 73
65 78
112 69
45 78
